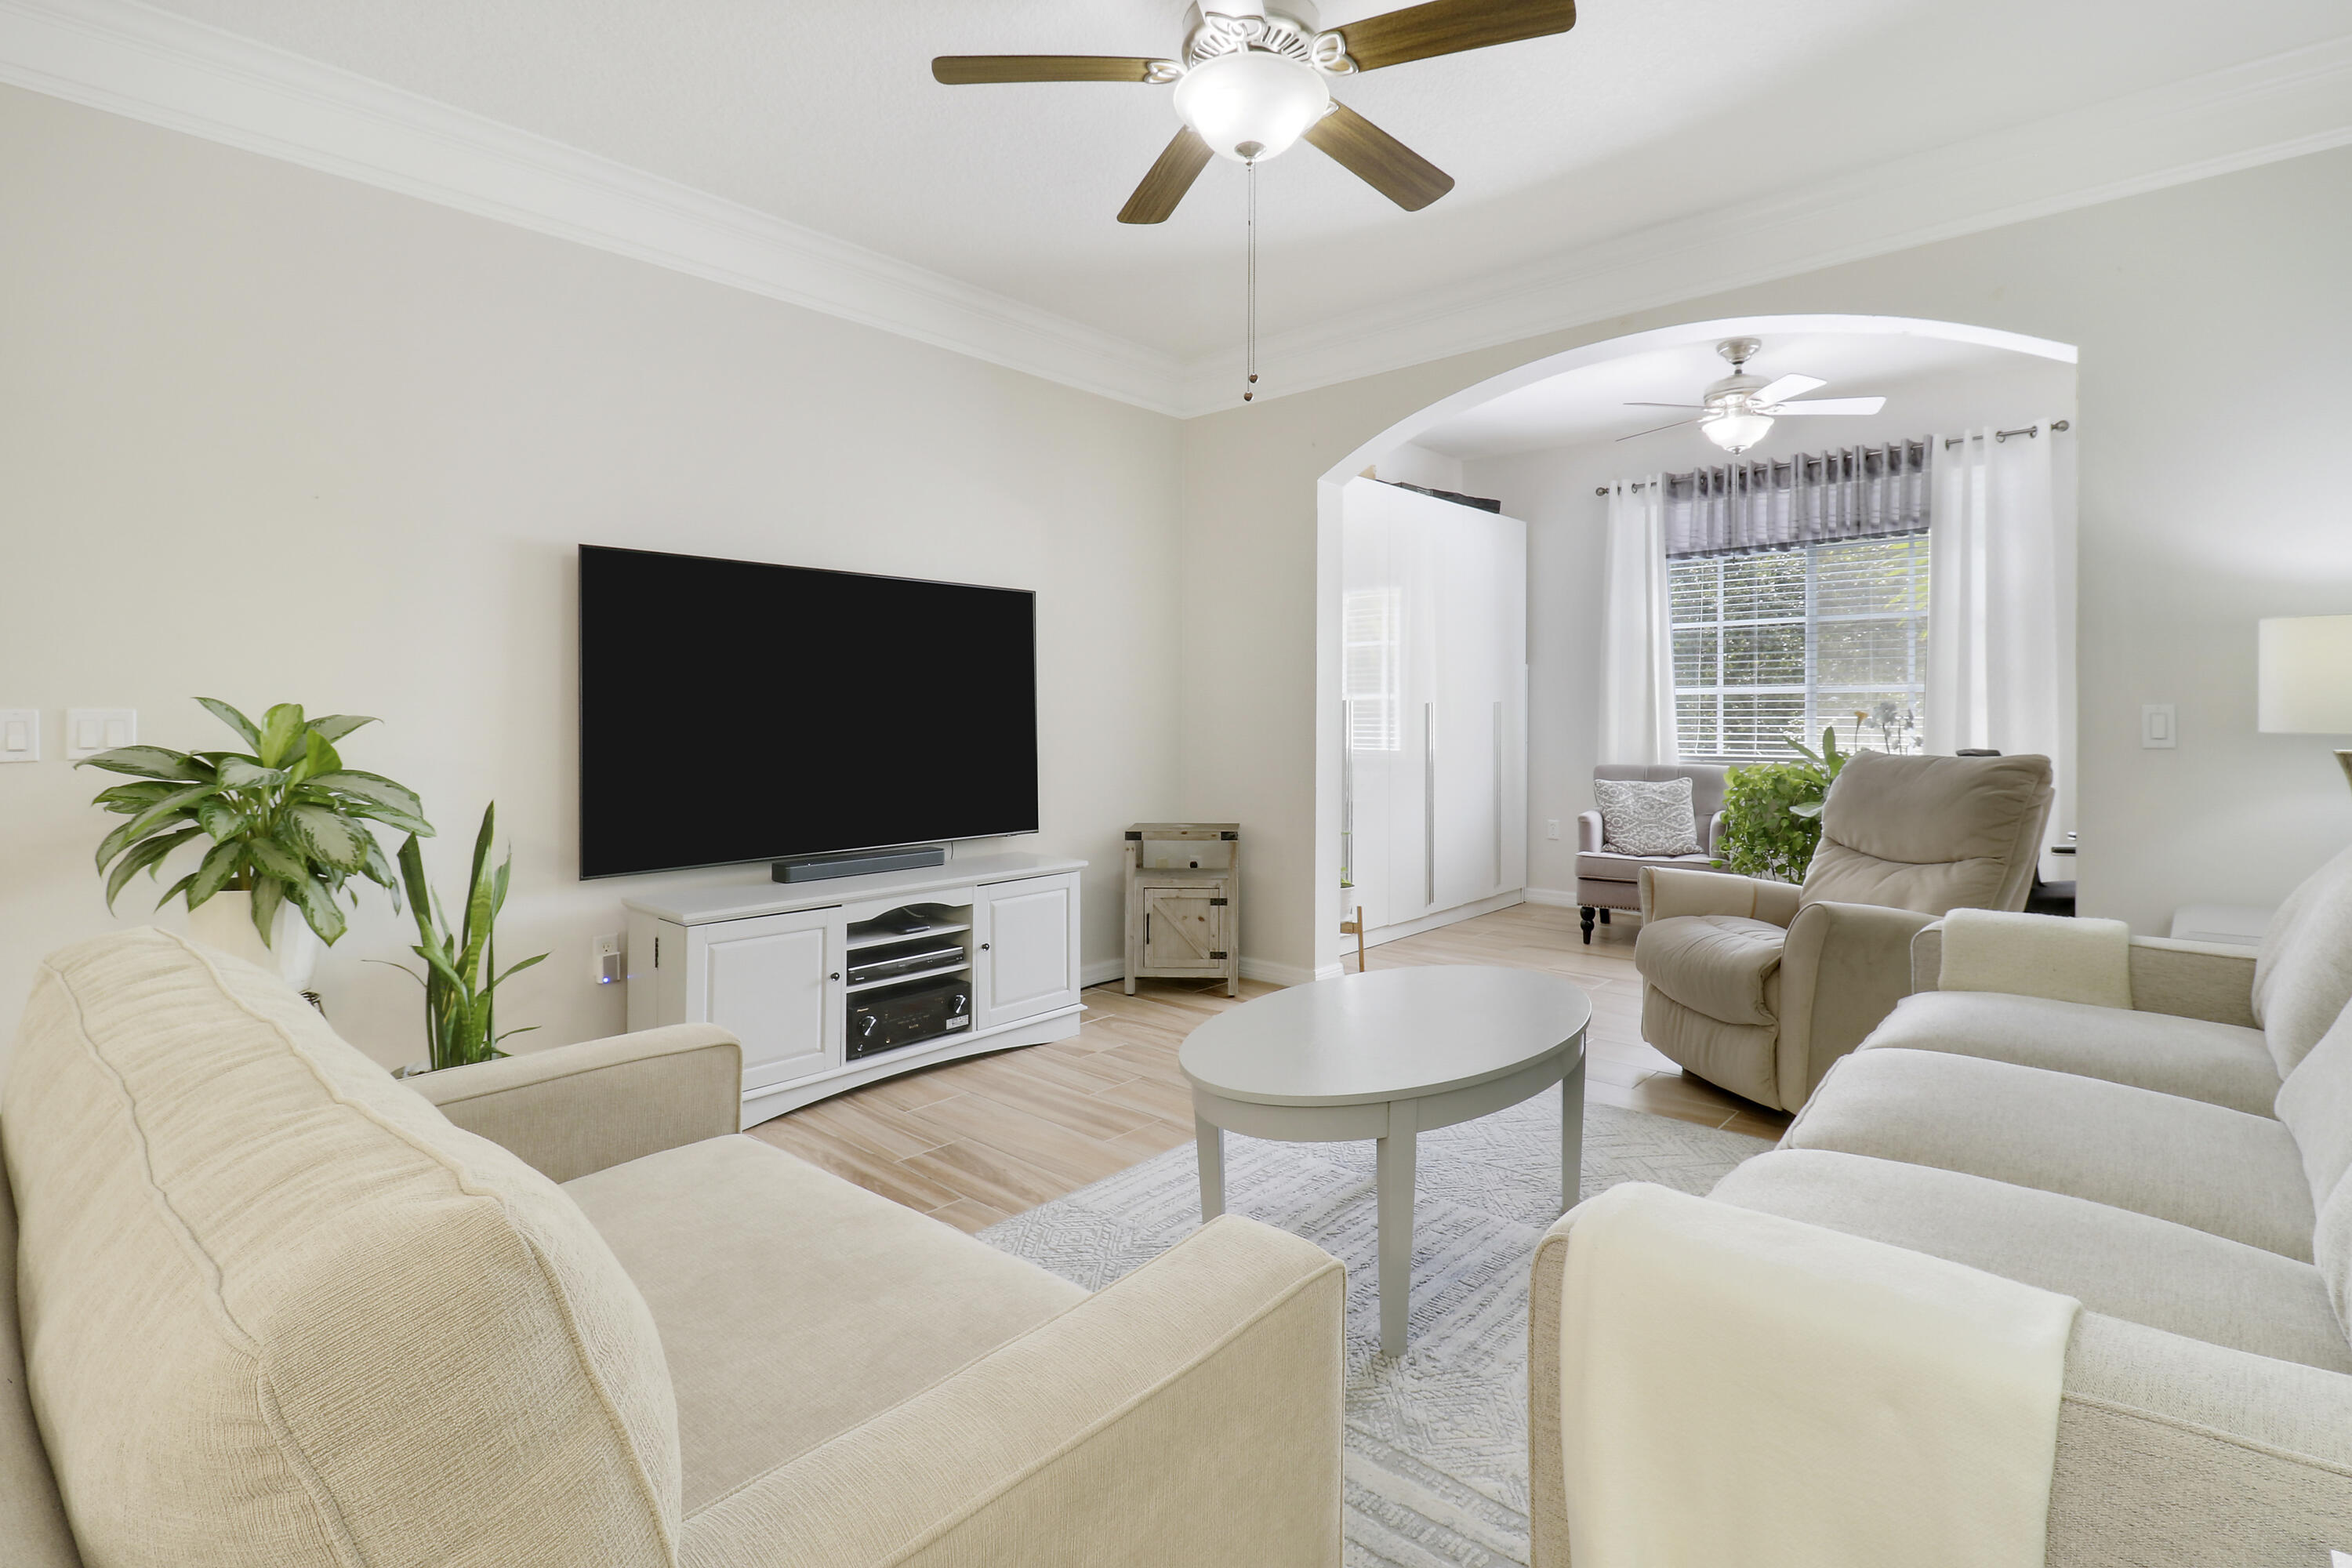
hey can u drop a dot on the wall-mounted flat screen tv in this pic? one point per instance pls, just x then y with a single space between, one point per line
734 711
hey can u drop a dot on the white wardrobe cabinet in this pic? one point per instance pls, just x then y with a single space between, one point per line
1433 628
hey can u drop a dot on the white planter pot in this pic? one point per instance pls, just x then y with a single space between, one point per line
225 921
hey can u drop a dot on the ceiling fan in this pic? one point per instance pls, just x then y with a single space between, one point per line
1737 411
1250 82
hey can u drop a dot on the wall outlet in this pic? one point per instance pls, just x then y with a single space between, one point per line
608 967
2160 727
1551 827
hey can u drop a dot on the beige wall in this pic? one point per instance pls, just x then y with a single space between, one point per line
2213 324
268 435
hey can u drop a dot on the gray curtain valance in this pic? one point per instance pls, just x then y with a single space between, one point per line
1853 492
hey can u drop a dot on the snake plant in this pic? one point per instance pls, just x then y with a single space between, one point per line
459 978
287 821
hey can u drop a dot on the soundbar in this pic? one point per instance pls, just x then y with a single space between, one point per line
857 863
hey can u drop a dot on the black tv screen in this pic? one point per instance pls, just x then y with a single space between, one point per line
733 710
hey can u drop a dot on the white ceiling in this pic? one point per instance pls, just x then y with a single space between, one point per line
1645 114
1917 376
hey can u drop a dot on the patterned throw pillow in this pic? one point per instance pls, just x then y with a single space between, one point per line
1644 817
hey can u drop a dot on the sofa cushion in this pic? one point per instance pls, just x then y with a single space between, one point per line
2316 1104
1929 834
794 1305
1600 866
2189 1056
2114 1261
2201 1166
35 1535
1715 965
278 1311
2303 973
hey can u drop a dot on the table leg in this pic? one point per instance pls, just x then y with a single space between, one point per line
1212 1140
1571 1136
1395 1186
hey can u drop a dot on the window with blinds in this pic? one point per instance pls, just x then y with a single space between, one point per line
1373 650
1776 643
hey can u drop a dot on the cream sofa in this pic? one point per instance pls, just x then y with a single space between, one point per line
2179 1168
1756 986
273 1307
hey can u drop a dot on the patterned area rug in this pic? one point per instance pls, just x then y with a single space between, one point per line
1437 1447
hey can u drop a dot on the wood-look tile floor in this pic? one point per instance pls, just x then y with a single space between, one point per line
976 1140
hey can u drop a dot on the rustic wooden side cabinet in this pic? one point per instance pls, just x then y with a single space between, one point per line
1184 902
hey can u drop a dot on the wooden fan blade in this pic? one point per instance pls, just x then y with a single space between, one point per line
965 71
1450 26
1179 166
1379 159
1788 387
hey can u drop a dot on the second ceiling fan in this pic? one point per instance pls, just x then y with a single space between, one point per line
1250 82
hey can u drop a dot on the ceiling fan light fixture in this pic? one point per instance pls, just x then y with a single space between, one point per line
1736 428
1251 98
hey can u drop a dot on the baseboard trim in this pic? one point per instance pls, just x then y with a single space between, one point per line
1101 969
1267 969
1402 928
1553 897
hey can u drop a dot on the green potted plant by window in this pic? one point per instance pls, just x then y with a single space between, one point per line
1772 811
461 975
286 826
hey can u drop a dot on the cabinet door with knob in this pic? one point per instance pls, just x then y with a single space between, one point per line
1028 954
772 982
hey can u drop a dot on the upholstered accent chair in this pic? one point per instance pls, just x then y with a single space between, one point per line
1758 986
1606 880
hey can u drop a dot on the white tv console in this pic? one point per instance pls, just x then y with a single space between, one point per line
769 964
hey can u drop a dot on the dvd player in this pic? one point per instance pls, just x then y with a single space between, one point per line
899 958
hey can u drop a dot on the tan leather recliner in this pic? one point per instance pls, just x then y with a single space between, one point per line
1758 986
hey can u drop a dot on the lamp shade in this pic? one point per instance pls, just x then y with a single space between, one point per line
1249 105
2305 677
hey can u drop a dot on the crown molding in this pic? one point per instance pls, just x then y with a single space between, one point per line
2280 107
149 65
167 70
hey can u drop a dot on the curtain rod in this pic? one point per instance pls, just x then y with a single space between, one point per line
2056 426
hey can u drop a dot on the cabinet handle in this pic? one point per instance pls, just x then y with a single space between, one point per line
984 947
834 975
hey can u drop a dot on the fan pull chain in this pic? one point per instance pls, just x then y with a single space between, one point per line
1251 359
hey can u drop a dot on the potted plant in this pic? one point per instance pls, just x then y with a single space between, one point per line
460 978
286 824
1772 811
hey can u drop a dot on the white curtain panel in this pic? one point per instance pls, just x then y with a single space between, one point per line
1995 670
1637 658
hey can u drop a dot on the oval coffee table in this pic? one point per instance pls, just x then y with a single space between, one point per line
1385 1056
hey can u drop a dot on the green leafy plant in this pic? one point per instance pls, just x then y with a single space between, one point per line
460 979
1772 811
287 821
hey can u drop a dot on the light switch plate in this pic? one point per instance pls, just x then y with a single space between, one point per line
20 734
2160 727
90 730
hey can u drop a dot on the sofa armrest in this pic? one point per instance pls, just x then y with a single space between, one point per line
2193 980
2185 979
1588 832
1671 891
1843 969
1188 1414
2172 1448
570 1109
